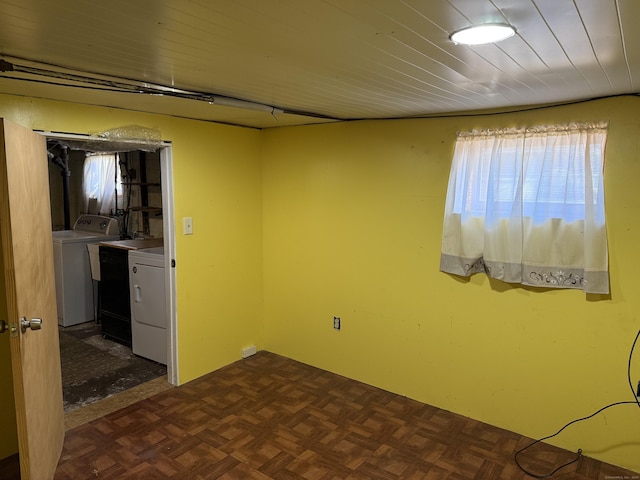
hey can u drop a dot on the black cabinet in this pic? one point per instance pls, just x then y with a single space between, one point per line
115 309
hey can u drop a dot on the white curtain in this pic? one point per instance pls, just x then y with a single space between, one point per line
527 206
99 183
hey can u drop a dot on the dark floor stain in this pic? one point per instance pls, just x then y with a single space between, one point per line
94 368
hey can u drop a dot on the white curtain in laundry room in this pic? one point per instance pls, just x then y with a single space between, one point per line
101 182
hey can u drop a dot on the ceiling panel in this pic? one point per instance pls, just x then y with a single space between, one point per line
321 60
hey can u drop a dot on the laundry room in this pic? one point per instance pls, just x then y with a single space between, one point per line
131 192
104 206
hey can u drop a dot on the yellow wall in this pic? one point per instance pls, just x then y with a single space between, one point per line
352 227
295 225
217 181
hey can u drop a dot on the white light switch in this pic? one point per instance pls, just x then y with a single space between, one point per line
188 225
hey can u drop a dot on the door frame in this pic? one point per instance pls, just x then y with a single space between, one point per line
168 228
169 234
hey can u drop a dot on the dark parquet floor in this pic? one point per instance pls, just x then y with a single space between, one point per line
268 417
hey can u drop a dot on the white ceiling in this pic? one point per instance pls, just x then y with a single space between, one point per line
318 60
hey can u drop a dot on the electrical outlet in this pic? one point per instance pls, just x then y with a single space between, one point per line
336 323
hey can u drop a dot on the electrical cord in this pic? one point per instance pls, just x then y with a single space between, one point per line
633 346
579 452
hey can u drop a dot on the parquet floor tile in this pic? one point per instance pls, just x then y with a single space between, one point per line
268 417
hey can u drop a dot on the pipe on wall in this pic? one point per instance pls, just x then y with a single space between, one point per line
63 163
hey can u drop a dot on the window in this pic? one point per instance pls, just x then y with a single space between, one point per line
101 182
527 206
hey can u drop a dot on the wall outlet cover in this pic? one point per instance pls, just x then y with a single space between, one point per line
188 225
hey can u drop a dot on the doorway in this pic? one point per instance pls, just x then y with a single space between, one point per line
144 209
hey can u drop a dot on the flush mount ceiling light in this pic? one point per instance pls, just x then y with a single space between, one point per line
480 34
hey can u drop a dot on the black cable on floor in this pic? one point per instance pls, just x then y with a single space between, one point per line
629 371
579 452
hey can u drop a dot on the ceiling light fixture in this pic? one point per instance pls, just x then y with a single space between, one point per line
481 34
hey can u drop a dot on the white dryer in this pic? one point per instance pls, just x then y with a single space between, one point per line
148 304
74 286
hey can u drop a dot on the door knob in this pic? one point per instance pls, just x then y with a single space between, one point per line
4 326
33 324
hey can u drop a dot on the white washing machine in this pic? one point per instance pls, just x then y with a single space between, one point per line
74 286
148 304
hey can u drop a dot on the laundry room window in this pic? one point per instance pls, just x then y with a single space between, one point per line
101 183
527 206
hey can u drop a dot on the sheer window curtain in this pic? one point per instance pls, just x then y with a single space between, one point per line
527 206
99 181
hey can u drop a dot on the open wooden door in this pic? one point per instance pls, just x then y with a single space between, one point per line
27 251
